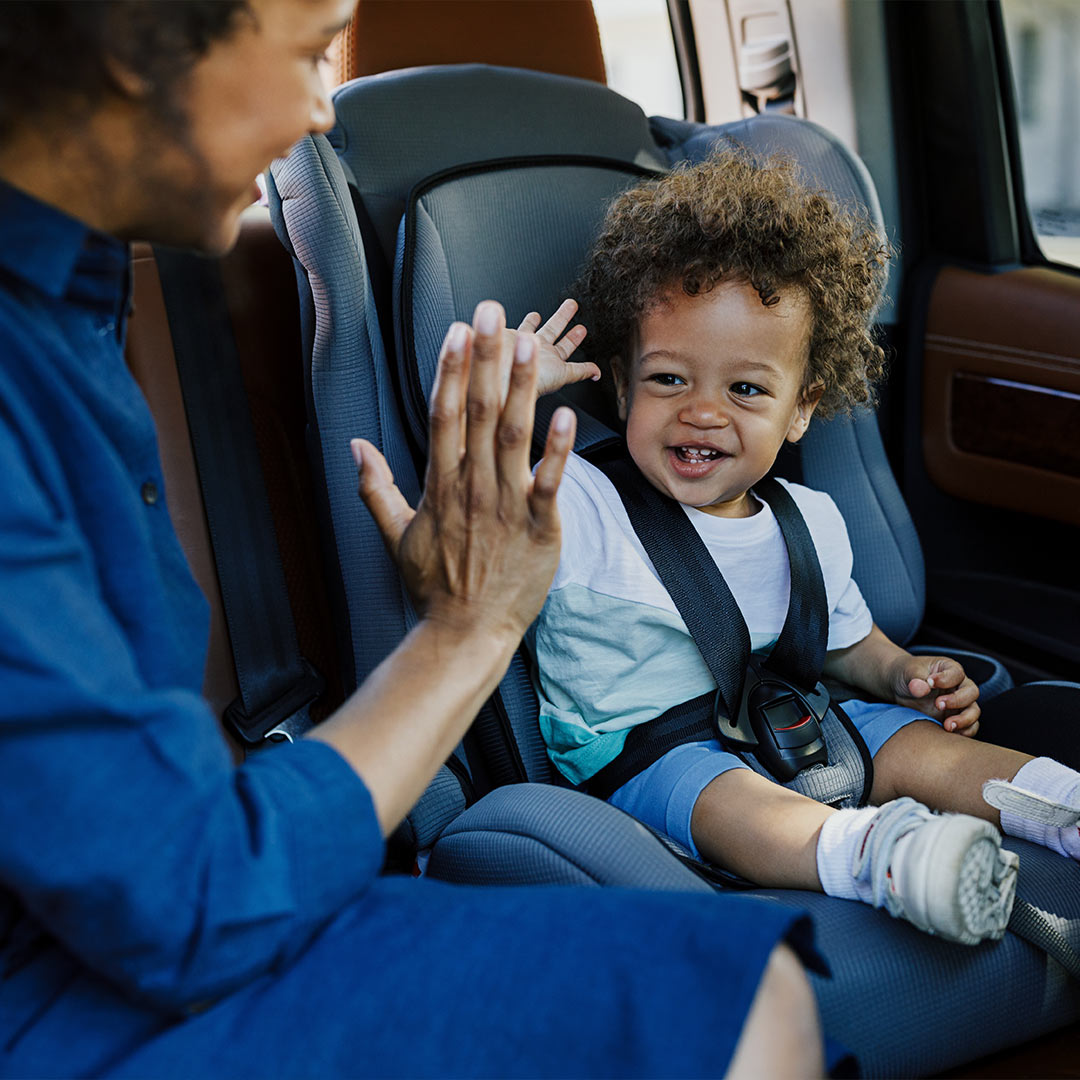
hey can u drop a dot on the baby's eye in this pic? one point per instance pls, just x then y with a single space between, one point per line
665 378
745 389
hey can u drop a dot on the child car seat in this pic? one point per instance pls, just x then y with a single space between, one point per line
469 156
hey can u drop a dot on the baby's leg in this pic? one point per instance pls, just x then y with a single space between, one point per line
1040 801
760 830
942 769
945 874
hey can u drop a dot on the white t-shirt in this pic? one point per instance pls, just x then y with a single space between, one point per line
611 649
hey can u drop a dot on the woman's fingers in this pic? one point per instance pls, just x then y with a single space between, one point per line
559 443
388 506
484 398
448 396
516 422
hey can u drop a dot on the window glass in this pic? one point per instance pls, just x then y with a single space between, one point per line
1043 39
639 52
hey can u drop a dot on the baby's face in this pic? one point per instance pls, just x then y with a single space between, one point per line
713 391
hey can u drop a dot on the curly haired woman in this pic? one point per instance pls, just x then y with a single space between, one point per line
733 302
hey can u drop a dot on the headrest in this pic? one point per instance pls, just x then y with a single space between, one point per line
401 127
559 36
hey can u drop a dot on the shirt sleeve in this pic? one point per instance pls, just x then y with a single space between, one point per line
128 833
849 616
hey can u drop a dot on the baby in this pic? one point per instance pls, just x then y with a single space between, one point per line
733 303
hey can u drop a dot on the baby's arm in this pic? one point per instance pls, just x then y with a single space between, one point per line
934 685
553 352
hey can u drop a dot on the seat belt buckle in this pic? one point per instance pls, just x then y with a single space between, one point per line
778 722
285 719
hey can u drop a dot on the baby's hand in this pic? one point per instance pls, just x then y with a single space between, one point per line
553 352
938 687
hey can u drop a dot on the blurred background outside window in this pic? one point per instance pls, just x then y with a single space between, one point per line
1043 39
639 52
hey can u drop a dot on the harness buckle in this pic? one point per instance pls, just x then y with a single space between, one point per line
778 722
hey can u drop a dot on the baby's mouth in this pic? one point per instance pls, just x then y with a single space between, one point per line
697 455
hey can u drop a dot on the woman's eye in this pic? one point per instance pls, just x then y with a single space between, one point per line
745 389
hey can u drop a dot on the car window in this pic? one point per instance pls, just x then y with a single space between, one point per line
1043 39
639 52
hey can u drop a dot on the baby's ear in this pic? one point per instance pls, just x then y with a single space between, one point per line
618 377
808 402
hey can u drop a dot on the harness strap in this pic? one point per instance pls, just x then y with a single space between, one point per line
691 577
690 721
799 653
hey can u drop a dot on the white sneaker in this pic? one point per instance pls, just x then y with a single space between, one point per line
1030 805
947 874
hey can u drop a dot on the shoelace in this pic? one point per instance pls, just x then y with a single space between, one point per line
890 823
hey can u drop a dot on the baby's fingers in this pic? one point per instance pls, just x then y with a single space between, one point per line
558 322
963 696
965 722
918 688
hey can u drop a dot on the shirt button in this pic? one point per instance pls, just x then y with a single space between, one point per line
149 493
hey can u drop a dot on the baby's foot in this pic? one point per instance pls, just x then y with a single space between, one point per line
1041 804
1030 805
947 874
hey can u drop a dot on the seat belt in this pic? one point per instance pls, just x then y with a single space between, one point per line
277 684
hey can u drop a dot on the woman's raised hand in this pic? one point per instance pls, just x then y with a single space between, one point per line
479 551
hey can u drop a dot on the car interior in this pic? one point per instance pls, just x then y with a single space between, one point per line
476 147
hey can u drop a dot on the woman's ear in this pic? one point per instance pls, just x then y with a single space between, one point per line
808 402
622 388
124 79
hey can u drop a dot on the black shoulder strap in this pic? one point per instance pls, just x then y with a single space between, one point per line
277 685
702 596
690 575
799 653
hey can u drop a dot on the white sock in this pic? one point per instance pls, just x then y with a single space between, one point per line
1049 778
838 844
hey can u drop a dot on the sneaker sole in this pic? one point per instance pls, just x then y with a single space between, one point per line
979 905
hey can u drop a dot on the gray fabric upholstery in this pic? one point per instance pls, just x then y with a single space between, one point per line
396 129
542 835
350 388
479 224
894 992
442 803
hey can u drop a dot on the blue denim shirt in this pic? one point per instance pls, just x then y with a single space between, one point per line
131 849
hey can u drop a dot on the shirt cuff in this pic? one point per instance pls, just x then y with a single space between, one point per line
337 844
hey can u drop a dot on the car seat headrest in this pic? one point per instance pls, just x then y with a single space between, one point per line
396 129
560 36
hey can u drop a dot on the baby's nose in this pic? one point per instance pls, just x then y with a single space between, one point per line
704 412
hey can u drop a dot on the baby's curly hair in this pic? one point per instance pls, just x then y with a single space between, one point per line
734 218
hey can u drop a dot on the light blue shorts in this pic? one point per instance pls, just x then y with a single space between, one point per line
664 794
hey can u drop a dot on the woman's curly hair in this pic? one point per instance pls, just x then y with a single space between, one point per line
733 218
